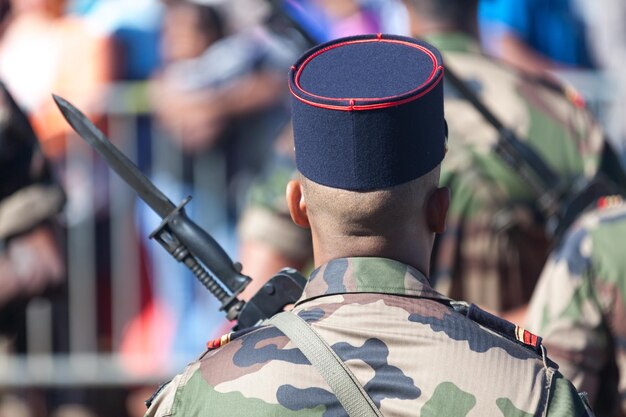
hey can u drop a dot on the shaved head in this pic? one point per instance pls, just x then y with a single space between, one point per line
370 213
398 222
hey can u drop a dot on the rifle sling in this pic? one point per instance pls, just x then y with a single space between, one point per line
337 375
522 159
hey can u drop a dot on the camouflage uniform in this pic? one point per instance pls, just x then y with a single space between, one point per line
494 248
412 366
580 304
266 217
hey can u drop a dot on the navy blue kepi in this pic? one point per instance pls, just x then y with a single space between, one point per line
368 111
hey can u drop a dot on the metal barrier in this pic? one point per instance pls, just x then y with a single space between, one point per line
92 191
96 195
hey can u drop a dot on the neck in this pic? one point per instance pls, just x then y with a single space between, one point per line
410 250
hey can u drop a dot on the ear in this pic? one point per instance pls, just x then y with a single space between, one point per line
296 204
437 209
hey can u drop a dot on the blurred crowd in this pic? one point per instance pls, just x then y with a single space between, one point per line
213 75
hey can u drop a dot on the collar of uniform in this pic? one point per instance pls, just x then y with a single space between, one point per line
367 275
453 42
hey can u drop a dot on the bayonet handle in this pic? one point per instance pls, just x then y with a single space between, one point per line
208 251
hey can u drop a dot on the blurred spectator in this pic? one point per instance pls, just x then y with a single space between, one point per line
183 105
31 262
221 93
536 35
43 51
220 97
607 38
324 20
12 406
30 258
134 26
209 79
5 8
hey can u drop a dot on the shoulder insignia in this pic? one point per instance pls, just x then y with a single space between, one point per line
227 338
524 336
500 326
574 96
610 201
219 342
561 87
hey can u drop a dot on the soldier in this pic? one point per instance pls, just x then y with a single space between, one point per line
367 186
495 245
580 302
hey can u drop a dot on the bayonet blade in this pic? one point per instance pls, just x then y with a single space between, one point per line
115 158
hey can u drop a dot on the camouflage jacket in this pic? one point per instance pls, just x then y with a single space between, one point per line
494 248
579 307
411 351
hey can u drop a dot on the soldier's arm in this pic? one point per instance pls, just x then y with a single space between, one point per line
565 312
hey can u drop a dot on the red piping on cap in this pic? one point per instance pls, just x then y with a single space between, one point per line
370 106
328 48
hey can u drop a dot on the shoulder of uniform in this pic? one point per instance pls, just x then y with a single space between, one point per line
161 402
156 393
610 202
559 87
227 338
219 341
607 208
504 328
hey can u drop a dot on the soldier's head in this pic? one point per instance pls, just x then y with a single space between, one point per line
369 138
189 28
428 16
